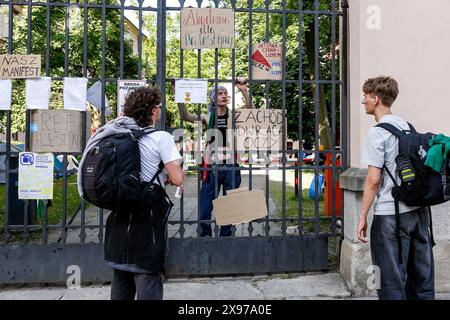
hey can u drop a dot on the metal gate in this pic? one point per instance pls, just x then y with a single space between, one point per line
77 39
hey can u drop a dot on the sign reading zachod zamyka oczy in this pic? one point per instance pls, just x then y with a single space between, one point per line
207 28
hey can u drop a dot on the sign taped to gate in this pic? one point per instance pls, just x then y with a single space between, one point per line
36 175
258 129
18 66
207 28
57 130
267 61
125 87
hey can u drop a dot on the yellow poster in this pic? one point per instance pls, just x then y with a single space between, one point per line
36 175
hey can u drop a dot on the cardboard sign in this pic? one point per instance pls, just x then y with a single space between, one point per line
36 175
191 91
240 206
207 28
266 61
16 66
258 129
57 131
124 87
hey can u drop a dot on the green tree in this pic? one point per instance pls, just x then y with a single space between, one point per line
57 66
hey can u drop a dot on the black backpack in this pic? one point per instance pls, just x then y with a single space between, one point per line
111 172
420 186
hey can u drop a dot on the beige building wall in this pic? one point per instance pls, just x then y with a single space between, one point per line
409 40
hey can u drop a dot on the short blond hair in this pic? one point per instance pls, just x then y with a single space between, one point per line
384 87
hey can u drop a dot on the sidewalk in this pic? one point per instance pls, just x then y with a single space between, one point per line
309 286
298 286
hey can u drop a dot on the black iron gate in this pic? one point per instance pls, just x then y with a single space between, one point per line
77 39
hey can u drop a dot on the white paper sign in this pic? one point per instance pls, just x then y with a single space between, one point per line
191 91
36 175
5 94
124 87
75 93
38 93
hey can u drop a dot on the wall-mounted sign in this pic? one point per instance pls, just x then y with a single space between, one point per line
207 28
191 91
266 61
124 87
36 175
16 66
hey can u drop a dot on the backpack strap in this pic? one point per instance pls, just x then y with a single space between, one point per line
136 134
411 128
397 220
389 127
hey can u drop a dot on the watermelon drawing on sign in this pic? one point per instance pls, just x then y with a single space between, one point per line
258 57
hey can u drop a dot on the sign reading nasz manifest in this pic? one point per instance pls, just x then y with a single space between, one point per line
258 129
20 66
207 28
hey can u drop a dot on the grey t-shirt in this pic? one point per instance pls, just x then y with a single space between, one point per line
381 147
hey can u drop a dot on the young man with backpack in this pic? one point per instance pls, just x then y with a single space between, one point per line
134 189
401 236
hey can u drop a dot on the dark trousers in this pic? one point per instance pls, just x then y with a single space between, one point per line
414 278
208 194
145 286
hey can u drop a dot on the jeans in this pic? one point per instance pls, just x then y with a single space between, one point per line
145 286
208 194
414 279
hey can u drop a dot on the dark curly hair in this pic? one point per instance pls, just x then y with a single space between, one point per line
140 103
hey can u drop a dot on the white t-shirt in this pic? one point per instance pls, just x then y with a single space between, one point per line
155 147
381 148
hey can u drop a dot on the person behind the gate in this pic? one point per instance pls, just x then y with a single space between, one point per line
222 154
140 274
411 277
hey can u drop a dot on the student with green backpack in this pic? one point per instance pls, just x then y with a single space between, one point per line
402 188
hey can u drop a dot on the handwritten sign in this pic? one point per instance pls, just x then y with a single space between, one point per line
191 91
258 129
36 175
14 66
266 61
124 87
56 131
207 28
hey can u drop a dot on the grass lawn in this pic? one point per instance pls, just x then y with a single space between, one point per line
292 205
54 213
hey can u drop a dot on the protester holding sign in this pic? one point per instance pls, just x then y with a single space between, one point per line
217 153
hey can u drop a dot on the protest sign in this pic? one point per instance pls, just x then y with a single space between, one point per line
36 175
16 66
75 93
207 28
37 93
5 94
124 87
266 61
191 91
258 129
57 131
240 206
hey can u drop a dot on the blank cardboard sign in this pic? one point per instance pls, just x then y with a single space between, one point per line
239 206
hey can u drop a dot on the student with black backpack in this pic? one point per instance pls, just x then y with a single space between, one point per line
401 235
124 168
